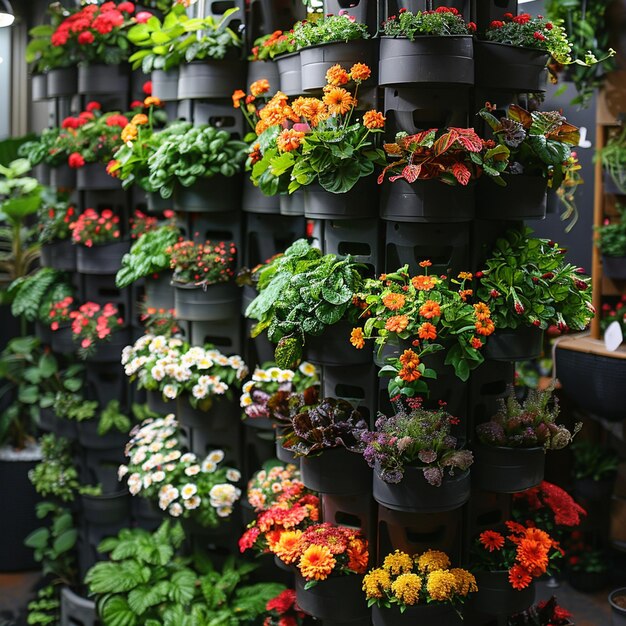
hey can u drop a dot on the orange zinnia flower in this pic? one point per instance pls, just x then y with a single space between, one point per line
430 309
153 101
287 548
259 87
476 343
536 534
427 331
129 133
358 557
317 562
409 375
519 577
289 140
491 540
337 76
464 293
373 119
397 323
394 301
360 72
140 119
423 283
425 263
482 311
485 327
339 101
533 555
409 359
356 338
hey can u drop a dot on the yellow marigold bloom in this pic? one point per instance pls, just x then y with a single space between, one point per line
441 585
407 588
287 548
261 127
337 76
339 101
140 119
259 87
373 119
289 140
356 338
465 275
316 562
376 583
312 110
360 72
432 560
464 581
398 563
152 101
129 133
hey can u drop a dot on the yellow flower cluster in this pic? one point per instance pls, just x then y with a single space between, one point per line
398 563
432 560
376 583
407 588
441 585
464 582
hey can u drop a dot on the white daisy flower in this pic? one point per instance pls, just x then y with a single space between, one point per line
169 391
192 503
155 446
216 456
199 392
158 372
308 369
175 510
170 467
192 470
208 466
233 475
170 443
188 490
245 400
122 470
158 477
247 387
220 388
188 457
285 376
274 373
224 511
134 489
147 480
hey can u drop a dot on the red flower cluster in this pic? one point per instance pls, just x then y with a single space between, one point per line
283 610
202 263
60 312
93 228
141 223
81 119
553 500
92 323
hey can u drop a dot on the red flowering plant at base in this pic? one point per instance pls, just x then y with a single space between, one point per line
60 313
202 264
93 324
141 223
94 229
544 613
526 552
283 610
159 321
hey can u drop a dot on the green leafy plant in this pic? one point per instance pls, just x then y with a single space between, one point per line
54 217
272 45
613 158
301 293
441 22
585 558
39 50
111 418
72 406
329 29
611 237
45 609
146 583
189 153
55 475
45 148
593 461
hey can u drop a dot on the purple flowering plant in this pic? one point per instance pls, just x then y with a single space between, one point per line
418 437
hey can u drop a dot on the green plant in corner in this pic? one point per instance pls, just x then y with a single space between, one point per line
611 237
45 609
55 475
594 461
613 158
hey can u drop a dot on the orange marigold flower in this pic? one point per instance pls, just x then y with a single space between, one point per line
536 534
430 309
394 301
129 133
427 331
339 101
397 323
237 96
491 540
533 555
356 338
358 557
316 562
424 283
409 375
476 343
153 101
255 154
289 140
259 87
360 72
140 119
337 76
464 293
465 275
485 327
425 263
373 119
482 311
261 127
287 548
519 577
409 359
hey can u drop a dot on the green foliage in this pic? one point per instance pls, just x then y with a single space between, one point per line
55 216
40 50
329 29
411 25
612 237
55 475
33 295
72 406
45 610
146 583
301 293
613 158
594 461
112 418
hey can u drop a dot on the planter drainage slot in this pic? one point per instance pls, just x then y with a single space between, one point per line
349 391
223 121
495 388
490 518
218 341
347 519
432 537
354 248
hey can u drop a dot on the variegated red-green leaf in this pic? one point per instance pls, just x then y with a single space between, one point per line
520 115
411 173
461 173
445 142
468 138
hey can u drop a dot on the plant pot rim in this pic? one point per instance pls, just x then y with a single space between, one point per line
420 37
479 444
330 43
508 45
105 496
613 594
179 285
102 245
31 452
286 55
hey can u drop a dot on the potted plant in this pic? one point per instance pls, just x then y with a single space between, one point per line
202 280
427 47
587 567
513 443
95 328
420 588
540 145
301 294
180 483
69 408
524 42
506 565
261 64
415 317
283 609
418 464
611 240
594 471
200 164
544 613
528 287
418 163
274 484
100 246
282 48
328 437
617 600
332 40
60 325
54 218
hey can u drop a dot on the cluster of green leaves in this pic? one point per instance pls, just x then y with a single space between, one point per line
411 25
269 46
147 255
55 216
612 237
301 293
145 583
72 406
613 158
39 50
594 461
55 475
327 29
45 609
42 149
526 282
166 44
192 152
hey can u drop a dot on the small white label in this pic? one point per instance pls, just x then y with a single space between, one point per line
613 336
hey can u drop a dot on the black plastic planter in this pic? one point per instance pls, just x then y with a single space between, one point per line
338 598
156 204
90 439
414 494
43 332
290 73
495 596
360 202
500 67
111 351
292 204
60 255
523 198
165 84
434 60
62 342
333 347
62 81
426 201
106 509
591 490
77 610
268 70
63 177
588 582
38 87
439 614
507 470
255 201
282 454
337 471
210 79
94 177
519 344
103 79
159 291
103 259
209 195
216 302
217 417
618 611
614 267
50 423
317 60
157 404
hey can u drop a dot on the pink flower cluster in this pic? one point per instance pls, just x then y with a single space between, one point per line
60 312
92 323
93 228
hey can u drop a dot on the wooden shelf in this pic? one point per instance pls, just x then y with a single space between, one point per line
587 344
